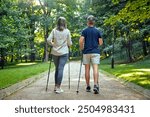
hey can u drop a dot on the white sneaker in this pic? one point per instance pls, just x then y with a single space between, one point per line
59 90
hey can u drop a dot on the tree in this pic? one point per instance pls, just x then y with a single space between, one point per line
6 38
136 15
134 11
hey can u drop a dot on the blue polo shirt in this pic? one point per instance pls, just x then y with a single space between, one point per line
91 40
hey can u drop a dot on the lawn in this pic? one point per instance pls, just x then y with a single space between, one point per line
137 72
16 73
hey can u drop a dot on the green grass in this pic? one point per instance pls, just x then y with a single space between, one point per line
138 72
16 73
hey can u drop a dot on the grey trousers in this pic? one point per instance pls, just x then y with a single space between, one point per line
59 62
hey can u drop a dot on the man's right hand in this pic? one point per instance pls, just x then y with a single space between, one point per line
100 41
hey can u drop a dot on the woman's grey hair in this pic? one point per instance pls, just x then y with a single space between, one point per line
61 24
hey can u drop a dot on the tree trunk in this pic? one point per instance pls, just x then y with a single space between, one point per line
17 57
46 46
25 57
12 56
32 55
144 48
148 45
20 56
129 51
45 52
2 60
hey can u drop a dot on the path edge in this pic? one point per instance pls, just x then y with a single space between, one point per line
20 85
133 86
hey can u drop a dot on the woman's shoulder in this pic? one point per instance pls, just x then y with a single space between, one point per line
54 29
67 30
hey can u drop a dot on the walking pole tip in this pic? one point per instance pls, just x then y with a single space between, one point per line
46 90
77 92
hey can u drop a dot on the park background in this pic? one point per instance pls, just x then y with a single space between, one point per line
26 24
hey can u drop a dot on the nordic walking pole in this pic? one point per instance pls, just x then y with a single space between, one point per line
69 68
80 74
49 71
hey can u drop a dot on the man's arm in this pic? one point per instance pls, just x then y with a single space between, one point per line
81 42
100 41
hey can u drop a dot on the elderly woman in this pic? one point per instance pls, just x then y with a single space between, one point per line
60 40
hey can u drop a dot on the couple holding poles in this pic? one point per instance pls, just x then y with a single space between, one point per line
90 39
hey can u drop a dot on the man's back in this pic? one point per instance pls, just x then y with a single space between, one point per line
91 40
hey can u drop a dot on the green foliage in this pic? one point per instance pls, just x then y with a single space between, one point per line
134 11
26 24
130 23
115 1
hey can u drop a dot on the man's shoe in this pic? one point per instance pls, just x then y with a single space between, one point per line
96 89
88 89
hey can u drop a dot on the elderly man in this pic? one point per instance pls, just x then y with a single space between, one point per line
89 43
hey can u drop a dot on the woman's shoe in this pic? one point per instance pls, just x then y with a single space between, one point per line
55 89
59 90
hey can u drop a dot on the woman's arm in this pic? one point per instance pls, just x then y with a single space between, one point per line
50 38
69 41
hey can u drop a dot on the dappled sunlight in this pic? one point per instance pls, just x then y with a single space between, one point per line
126 75
132 74
144 70
138 76
122 64
26 64
145 82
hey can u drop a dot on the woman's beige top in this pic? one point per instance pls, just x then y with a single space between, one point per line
59 40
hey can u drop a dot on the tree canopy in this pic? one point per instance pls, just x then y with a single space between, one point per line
26 24
134 11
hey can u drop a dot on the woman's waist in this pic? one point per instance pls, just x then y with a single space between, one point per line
62 49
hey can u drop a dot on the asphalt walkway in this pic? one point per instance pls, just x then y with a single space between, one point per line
110 88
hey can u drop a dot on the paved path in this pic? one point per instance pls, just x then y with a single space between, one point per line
110 89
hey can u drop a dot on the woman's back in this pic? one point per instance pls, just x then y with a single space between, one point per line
61 41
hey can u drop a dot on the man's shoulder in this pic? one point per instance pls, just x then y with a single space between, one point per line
85 29
97 29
